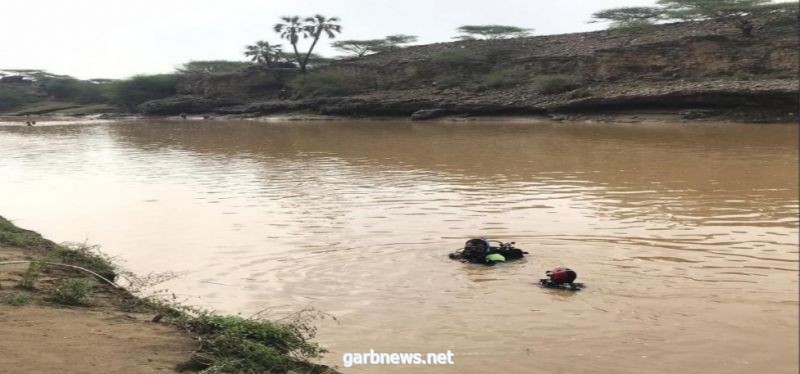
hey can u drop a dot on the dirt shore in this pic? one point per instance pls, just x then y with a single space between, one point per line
61 312
45 337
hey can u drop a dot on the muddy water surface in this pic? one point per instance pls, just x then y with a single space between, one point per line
686 235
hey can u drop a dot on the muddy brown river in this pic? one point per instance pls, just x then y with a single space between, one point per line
686 235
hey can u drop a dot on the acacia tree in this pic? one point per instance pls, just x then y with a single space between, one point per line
394 41
491 32
629 16
212 66
360 47
263 53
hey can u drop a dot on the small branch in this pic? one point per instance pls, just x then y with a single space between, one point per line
67 266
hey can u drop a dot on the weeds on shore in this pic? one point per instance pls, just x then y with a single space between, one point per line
72 292
234 344
17 237
32 273
17 299
86 256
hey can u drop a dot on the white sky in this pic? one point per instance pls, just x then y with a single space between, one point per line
120 38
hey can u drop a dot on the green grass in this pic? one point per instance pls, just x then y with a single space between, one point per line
72 292
17 299
14 236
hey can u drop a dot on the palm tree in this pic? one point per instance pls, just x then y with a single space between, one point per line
263 53
291 29
317 25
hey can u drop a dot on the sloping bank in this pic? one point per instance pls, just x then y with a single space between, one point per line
61 311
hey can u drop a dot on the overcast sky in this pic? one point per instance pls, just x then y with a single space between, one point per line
120 38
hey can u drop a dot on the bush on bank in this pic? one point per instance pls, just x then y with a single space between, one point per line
131 92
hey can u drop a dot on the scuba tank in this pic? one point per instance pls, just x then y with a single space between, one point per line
481 251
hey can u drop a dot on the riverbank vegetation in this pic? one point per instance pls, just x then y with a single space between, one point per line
646 59
738 13
41 274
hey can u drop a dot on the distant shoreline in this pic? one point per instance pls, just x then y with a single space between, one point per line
615 117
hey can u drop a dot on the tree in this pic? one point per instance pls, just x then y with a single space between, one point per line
397 39
263 53
291 29
491 32
312 27
360 47
316 26
629 16
131 92
212 66
737 12
693 10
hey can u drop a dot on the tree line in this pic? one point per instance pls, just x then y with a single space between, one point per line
295 28
738 13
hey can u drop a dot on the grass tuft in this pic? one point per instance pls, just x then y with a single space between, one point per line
17 299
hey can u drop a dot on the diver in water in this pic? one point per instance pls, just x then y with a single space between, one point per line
562 278
480 251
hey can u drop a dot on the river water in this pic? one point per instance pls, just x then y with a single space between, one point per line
686 235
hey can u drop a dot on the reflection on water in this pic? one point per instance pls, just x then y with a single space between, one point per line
686 234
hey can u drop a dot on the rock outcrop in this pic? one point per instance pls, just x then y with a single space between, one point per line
183 104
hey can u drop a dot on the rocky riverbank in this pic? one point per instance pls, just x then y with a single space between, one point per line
705 70
695 69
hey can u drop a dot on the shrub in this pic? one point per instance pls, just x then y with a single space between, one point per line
84 92
506 77
72 291
458 57
32 274
17 299
450 80
234 344
331 83
557 83
742 75
86 256
131 92
10 99
214 67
